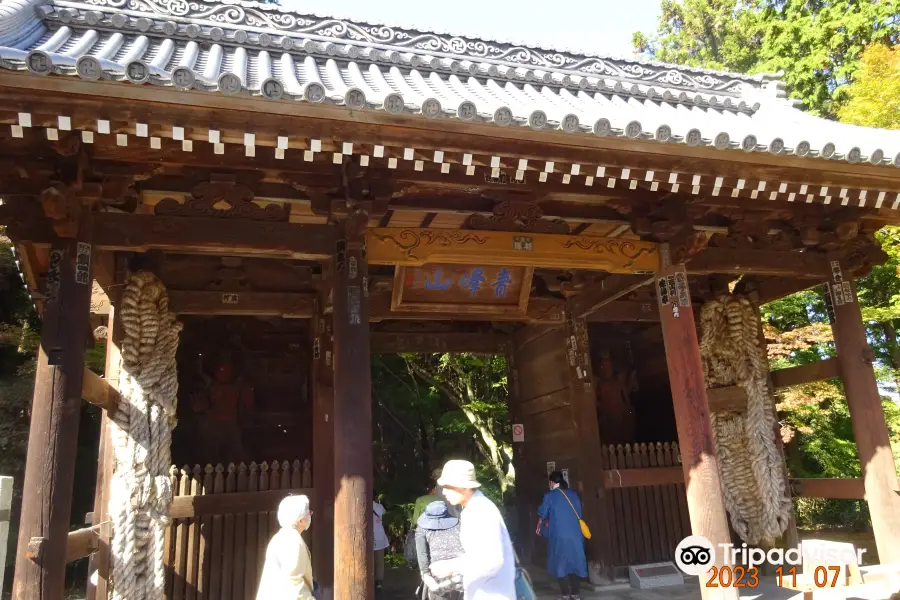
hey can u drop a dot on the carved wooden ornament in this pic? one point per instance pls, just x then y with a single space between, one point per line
415 247
222 199
517 215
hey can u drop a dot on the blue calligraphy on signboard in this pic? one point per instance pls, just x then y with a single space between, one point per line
504 279
472 281
437 283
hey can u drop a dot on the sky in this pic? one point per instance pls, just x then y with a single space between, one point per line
593 26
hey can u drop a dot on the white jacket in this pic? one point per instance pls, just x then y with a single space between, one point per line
287 573
489 564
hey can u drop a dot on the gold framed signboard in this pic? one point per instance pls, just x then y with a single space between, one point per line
473 289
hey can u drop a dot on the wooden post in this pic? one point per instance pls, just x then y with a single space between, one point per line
322 386
6 487
524 520
706 503
867 414
53 437
101 561
353 534
590 469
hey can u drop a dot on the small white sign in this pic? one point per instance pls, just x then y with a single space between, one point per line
518 432
565 474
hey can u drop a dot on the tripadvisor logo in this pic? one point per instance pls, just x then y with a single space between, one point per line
694 555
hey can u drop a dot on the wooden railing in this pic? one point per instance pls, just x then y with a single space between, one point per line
645 502
224 517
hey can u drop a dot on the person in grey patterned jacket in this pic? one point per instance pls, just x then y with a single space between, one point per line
437 540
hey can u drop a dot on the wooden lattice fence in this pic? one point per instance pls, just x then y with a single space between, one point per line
223 519
645 522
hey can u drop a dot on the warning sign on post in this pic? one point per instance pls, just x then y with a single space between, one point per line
518 432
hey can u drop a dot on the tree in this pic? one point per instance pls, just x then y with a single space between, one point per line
817 44
429 408
873 99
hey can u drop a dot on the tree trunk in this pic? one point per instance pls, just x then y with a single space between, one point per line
890 334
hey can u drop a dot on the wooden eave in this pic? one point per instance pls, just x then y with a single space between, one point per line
46 98
441 172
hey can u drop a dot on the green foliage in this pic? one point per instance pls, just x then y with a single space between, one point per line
821 48
816 44
430 408
873 99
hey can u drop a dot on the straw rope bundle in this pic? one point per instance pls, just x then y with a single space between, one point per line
749 459
141 492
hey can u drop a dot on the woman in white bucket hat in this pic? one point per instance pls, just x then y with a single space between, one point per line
488 566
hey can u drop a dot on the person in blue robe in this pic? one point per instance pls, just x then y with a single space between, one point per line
559 515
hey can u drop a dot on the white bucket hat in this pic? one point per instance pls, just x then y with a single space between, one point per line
459 474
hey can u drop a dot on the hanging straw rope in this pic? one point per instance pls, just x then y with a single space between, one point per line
749 459
140 491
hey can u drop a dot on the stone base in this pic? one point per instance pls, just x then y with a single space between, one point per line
655 575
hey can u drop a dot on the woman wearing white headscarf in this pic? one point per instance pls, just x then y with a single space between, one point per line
287 573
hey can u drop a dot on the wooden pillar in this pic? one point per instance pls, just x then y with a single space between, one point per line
867 414
590 480
706 503
322 385
524 521
116 275
353 535
53 435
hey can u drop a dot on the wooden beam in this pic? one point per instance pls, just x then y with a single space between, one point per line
606 291
725 399
539 310
849 488
53 435
828 368
415 247
852 489
82 542
763 290
140 233
274 304
626 311
389 342
706 504
188 507
738 261
99 392
626 478
870 429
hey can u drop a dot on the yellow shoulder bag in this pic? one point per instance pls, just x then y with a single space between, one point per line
585 530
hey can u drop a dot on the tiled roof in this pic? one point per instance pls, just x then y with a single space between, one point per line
246 48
